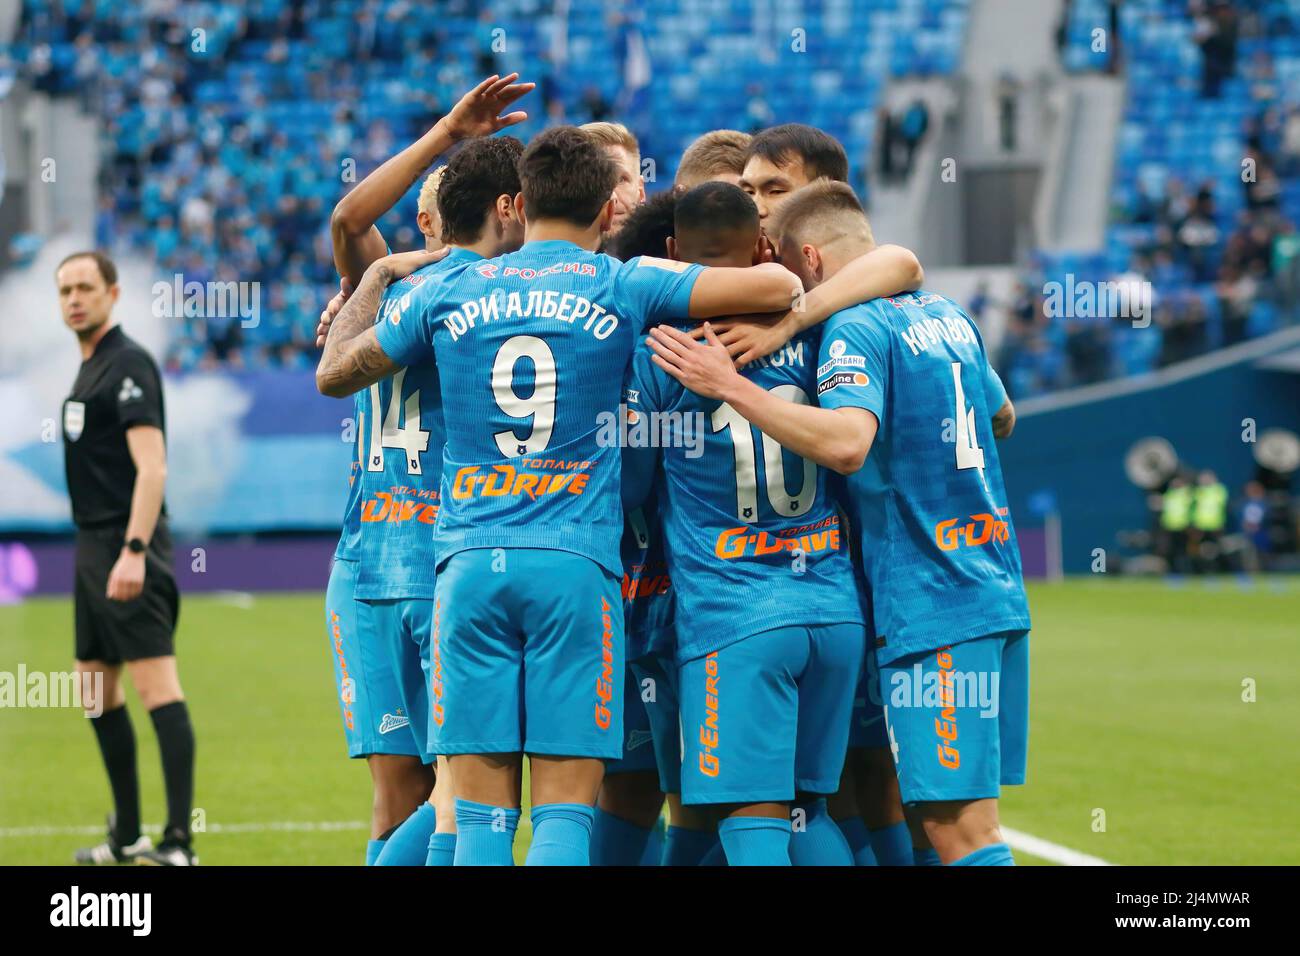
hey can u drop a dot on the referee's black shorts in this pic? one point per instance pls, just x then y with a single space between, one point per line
117 631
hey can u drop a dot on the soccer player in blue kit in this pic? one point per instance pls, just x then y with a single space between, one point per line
531 349
909 408
769 621
376 655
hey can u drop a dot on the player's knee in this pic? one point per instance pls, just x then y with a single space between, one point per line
689 817
958 828
401 784
634 797
877 787
100 686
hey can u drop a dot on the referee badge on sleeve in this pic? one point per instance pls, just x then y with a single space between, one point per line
130 392
74 419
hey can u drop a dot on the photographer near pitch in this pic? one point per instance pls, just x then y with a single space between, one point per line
125 592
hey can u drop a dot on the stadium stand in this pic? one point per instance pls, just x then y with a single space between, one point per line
1205 197
231 171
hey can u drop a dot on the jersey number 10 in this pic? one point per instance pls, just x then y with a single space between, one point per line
742 440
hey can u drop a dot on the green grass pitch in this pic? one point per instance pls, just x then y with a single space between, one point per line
1142 749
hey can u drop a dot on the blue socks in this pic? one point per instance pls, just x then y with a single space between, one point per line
373 849
561 835
683 847
716 856
819 842
616 842
858 839
756 841
654 847
995 854
893 845
485 835
442 850
925 857
409 843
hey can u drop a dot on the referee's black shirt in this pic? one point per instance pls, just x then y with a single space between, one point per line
118 387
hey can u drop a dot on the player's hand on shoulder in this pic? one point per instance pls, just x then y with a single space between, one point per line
703 367
750 337
478 113
126 580
332 308
399 265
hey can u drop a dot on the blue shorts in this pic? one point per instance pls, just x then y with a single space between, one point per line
768 716
656 676
403 627
369 697
959 718
527 654
638 752
867 729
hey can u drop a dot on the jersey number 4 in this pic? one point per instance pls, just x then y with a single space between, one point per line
742 441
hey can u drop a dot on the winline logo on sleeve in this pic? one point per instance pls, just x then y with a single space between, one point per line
75 909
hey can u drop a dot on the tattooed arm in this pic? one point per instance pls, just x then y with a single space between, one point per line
353 358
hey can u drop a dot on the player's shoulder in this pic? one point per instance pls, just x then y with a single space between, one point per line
646 376
131 354
651 264
868 318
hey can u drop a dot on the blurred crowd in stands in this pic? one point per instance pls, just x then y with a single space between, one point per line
225 147
231 129
1205 200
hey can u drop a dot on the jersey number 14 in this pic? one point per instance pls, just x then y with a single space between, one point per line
402 432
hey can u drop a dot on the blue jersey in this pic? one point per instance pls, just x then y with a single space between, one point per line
532 348
349 546
647 583
753 537
400 434
929 505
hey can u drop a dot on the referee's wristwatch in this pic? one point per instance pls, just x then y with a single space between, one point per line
136 545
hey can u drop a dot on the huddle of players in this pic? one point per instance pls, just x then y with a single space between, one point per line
508 357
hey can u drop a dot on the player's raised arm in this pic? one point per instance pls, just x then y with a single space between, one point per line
357 241
838 439
353 358
884 271
768 287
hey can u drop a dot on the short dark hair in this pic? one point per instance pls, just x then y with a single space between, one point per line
715 206
107 268
647 228
821 212
565 175
481 171
821 153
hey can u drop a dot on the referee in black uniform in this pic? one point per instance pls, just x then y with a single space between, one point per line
126 598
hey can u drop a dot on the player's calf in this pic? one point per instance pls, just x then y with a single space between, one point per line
627 808
401 785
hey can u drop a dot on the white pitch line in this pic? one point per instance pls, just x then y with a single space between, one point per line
1045 849
281 826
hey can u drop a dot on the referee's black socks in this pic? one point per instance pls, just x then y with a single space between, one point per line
117 744
171 722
